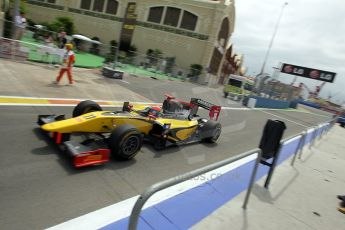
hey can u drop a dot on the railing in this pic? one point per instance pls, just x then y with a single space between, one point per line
43 43
292 145
315 131
133 221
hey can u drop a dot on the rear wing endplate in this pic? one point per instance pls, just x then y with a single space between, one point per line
214 109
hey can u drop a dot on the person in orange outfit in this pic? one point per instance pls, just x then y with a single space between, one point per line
68 61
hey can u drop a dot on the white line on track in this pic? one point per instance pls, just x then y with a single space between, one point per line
125 82
71 105
120 102
143 103
284 119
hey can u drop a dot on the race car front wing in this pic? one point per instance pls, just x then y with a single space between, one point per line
83 154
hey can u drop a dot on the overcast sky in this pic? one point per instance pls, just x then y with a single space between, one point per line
311 34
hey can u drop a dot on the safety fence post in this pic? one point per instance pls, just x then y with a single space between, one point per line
252 180
323 130
302 145
134 217
299 147
272 167
317 129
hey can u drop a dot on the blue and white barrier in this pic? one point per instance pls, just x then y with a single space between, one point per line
177 207
187 203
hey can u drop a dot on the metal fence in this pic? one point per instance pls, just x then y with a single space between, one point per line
41 45
278 90
133 221
291 146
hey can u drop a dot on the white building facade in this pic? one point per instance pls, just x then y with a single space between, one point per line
193 31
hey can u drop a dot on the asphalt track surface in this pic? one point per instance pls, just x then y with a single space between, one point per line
155 89
40 188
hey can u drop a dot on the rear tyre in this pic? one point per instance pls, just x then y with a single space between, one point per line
226 94
212 131
125 142
86 107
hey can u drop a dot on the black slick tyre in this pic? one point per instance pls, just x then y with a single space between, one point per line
125 142
211 131
226 94
86 107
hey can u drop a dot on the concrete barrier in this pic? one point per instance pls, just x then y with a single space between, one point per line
262 102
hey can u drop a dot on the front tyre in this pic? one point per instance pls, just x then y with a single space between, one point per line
125 142
86 107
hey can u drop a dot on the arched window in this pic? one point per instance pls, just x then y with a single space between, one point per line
85 4
98 5
112 7
189 21
155 14
172 16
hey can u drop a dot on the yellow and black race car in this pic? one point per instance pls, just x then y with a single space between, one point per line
121 133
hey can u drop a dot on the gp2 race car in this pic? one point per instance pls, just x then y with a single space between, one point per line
121 133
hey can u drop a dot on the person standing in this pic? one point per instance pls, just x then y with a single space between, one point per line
62 39
68 61
20 24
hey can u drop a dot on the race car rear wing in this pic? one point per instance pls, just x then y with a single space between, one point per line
214 109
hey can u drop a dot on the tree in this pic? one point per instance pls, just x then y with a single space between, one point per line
131 53
154 56
94 49
113 47
195 71
8 25
170 63
22 6
112 50
62 23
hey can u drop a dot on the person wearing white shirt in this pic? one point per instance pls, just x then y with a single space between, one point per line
20 22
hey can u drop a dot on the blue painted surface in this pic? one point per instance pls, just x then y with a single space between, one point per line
123 224
309 103
308 138
190 207
294 104
288 150
318 132
262 102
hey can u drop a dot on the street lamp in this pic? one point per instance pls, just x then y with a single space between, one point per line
272 39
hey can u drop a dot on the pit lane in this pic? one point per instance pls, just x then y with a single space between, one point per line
40 188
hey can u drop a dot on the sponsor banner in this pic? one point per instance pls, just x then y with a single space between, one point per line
301 71
128 26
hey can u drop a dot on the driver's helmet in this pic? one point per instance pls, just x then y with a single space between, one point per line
155 111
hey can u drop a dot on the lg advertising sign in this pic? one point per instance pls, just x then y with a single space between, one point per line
308 73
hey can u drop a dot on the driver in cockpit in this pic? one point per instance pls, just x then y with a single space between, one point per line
153 111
